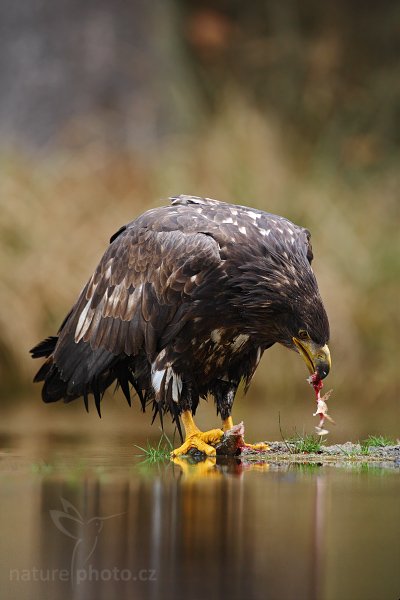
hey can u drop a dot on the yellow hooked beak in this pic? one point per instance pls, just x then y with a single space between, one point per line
317 358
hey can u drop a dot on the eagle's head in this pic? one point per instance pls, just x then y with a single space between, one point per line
280 299
302 322
306 330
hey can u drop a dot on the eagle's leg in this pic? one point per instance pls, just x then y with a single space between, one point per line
227 424
224 397
194 438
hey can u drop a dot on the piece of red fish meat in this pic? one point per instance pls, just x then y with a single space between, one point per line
322 406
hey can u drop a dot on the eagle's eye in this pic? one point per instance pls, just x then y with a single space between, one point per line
303 335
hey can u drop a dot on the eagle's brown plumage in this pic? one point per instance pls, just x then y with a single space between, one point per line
183 303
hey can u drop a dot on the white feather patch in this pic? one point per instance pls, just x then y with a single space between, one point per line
216 335
258 355
239 341
176 386
107 274
84 322
265 232
156 379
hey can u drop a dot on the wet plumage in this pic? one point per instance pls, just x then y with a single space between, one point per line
183 303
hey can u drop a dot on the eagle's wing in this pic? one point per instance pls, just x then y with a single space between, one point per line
134 304
136 294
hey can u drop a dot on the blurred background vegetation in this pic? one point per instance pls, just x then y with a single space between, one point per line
106 109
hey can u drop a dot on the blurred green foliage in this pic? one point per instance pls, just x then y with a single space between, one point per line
57 216
327 72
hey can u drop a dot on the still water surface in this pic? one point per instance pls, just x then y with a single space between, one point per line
88 519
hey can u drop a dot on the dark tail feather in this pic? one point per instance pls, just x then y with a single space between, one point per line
157 410
137 389
97 396
43 372
176 418
73 370
86 399
54 387
44 348
123 381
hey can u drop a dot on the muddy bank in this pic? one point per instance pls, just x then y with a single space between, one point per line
335 455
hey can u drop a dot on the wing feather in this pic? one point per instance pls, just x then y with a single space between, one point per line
135 294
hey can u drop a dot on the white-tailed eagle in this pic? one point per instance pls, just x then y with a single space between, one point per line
184 302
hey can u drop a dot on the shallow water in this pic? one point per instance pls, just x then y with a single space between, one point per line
87 518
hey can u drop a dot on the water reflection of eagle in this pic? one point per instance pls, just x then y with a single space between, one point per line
183 304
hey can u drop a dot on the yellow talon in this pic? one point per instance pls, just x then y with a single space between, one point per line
260 447
205 441
201 440
194 438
